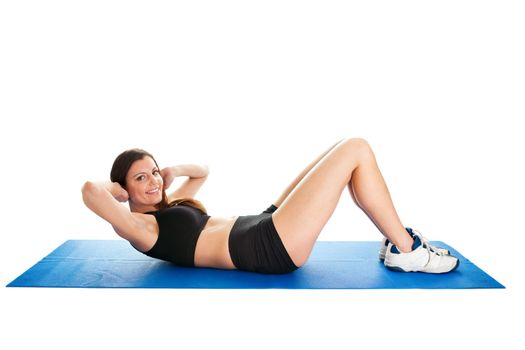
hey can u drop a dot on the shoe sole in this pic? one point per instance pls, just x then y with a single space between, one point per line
395 268
399 269
382 256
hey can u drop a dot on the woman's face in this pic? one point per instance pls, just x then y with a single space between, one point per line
144 183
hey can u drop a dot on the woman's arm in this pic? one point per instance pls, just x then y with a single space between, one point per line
103 199
197 175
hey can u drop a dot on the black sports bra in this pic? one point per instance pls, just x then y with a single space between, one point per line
179 229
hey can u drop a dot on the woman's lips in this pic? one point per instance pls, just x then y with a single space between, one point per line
153 191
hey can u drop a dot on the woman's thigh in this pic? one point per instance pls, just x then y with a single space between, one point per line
303 214
299 177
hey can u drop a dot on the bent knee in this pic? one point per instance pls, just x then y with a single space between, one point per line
356 142
357 145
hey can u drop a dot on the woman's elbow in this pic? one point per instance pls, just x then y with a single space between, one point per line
87 187
88 190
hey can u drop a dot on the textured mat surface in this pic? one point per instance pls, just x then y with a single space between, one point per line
332 265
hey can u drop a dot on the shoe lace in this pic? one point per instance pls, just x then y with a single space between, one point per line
426 244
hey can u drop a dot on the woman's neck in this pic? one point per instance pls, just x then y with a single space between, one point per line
137 208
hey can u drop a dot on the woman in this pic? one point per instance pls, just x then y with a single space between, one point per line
177 228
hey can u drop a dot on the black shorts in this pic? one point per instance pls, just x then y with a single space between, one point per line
255 245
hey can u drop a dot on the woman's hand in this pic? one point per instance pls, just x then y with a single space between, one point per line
193 171
119 193
168 175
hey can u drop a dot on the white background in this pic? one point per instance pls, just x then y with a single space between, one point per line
256 90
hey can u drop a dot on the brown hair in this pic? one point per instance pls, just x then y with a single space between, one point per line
123 163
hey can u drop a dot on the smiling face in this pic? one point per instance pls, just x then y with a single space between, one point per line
144 185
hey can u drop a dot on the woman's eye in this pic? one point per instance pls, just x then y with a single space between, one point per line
140 178
156 172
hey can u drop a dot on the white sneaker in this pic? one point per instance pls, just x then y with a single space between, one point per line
385 241
422 258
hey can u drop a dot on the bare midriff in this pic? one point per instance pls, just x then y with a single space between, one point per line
212 245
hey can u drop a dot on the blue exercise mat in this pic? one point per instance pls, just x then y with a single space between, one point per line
332 265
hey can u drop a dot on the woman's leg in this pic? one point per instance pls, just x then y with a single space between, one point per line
352 194
304 212
305 171
299 177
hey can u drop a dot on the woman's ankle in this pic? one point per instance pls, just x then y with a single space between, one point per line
405 246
